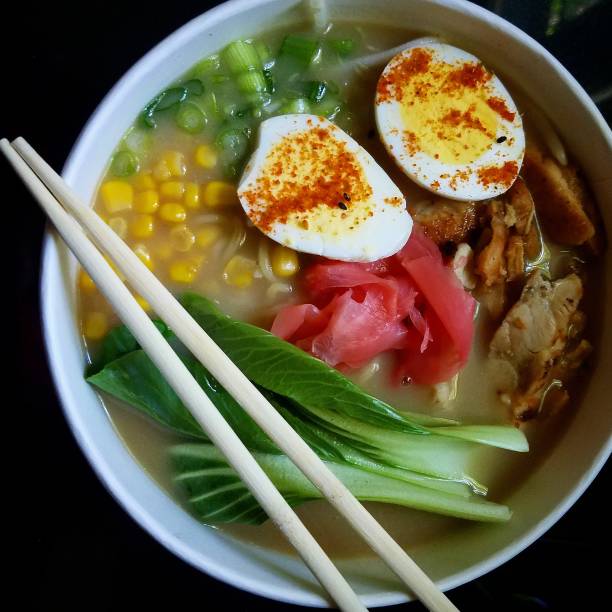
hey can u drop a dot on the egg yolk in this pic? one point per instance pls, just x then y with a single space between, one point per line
447 110
311 180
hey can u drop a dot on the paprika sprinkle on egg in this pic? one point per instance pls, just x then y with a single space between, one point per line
499 106
390 85
439 112
502 175
324 173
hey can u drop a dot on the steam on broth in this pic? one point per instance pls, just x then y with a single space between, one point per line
171 193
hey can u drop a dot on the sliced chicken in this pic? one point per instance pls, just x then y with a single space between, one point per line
533 340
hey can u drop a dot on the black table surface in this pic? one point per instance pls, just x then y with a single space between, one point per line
76 546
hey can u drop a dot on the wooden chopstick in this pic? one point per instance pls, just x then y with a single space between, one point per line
185 386
234 381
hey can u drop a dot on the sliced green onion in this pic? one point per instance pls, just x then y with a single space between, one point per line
190 118
208 65
229 109
164 100
270 81
304 49
265 55
125 163
138 141
194 87
231 171
210 104
171 97
343 46
328 107
232 144
316 91
240 56
219 78
251 82
296 105
147 114
258 99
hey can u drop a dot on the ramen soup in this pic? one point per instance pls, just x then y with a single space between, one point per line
415 238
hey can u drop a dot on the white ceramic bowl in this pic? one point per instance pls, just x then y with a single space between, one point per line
456 558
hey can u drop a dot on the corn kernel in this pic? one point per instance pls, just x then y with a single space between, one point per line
206 156
173 190
143 182
207 235
95 326
181 238
143 303
142 226
192 195
144 255
285 261
117 196
161 172
219 193
86 282
175 162
239 271
146 201
118 225
184 270
172 212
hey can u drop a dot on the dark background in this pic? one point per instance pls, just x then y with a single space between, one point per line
74 545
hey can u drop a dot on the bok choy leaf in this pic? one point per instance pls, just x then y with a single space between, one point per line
379 453
217 495
285 369
317 388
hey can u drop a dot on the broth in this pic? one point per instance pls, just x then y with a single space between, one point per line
209 237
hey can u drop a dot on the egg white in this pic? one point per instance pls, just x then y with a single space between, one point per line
431 173
379 235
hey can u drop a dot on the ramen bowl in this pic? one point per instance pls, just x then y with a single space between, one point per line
459 555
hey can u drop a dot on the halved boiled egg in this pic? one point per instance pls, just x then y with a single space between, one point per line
313 188
448 122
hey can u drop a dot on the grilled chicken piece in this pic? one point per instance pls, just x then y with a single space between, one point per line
533 340
445 220
515 258
491 262
462 265
511 238
520 207
560 199
596 243
532 242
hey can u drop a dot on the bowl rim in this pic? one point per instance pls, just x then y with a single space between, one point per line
146 518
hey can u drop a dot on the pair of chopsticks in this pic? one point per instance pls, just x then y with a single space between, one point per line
72 219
